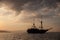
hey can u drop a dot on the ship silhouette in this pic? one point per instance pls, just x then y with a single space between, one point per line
35 30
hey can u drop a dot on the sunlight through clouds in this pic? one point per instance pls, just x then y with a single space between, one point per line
19 14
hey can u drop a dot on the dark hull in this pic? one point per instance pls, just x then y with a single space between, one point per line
35 31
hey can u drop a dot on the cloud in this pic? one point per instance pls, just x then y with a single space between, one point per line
26 10
31 5
47 8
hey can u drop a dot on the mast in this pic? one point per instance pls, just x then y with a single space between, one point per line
34 23
41 23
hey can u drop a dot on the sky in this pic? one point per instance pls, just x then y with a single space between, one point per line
19 14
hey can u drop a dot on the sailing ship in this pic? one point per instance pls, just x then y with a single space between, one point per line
35 30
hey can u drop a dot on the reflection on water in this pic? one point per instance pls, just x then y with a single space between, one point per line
26 36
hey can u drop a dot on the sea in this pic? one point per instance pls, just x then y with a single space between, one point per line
18 35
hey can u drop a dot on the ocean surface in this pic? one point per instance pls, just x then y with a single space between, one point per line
26 36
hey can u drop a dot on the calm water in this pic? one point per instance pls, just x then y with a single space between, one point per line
26 36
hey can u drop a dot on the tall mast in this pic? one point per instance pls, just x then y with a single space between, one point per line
41 23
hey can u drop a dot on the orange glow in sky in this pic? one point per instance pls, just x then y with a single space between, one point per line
8 20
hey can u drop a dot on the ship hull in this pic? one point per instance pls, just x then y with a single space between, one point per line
35 31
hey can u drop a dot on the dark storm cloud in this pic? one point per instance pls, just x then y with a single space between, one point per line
31 5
